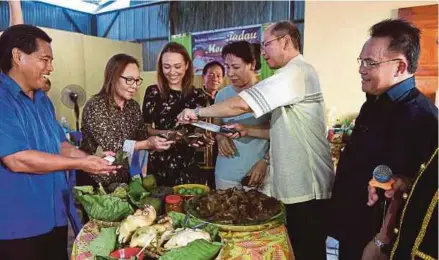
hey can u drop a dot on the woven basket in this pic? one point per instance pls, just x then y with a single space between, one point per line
104 224
277 220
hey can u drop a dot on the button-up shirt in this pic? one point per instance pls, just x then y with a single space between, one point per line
106 125
31 203
398 129
301 164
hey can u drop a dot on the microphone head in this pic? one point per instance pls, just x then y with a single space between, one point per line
382 173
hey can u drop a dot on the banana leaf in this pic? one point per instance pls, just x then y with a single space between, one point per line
104 243
178 220
102 207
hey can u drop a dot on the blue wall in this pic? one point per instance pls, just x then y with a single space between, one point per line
148 22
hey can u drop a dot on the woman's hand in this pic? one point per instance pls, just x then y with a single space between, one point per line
226 147
203 140
158 143
257 173
241 131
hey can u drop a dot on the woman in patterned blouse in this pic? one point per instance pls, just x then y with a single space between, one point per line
162 103
113 120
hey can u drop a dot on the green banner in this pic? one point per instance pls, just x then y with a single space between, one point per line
184 39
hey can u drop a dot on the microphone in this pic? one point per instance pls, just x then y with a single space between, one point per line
382 179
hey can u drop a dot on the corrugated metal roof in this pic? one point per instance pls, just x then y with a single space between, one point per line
135 23
46 15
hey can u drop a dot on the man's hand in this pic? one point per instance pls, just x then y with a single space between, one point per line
226 147
97 165
372 252
241 131
187 116
159 144
257 173
400 185
203 140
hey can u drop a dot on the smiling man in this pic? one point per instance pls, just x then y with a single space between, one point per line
396 127
300 161
34 152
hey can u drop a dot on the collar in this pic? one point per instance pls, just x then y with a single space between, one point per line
12 87
9 84
298 57
401 89
207 93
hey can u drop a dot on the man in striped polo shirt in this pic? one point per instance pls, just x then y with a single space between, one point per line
301 169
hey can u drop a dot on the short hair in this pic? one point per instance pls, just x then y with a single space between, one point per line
248 52
23 37
404 38
213 64
283 28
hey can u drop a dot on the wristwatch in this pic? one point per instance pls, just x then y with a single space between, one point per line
384 248
197 112
267 158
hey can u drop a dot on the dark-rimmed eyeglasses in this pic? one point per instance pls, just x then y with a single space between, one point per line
265 44
130 81
368 64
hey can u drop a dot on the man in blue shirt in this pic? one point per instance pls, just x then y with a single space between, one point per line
396 127
34 152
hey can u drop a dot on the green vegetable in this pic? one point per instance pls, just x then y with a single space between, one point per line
149 182
135 189
120 193
85 189
146 199
120 157
199 249
178 220
104 243
103 207
182 191
101 190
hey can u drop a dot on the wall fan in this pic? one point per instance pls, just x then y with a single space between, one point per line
74 97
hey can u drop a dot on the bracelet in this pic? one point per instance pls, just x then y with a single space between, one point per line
384 248
197 112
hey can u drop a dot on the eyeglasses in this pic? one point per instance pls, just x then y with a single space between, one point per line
265 44
130 81
369 64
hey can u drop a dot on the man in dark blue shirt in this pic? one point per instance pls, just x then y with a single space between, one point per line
396 127
34 152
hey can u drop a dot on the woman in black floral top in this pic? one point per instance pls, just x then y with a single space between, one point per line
113 120
161 105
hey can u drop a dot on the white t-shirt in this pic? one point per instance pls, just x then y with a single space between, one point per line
301 163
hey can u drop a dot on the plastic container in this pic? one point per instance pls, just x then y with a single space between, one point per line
174 203
127 253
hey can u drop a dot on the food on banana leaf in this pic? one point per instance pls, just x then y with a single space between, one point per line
235 206
118 159
110 159
144 236
197 250
183 236
141 218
